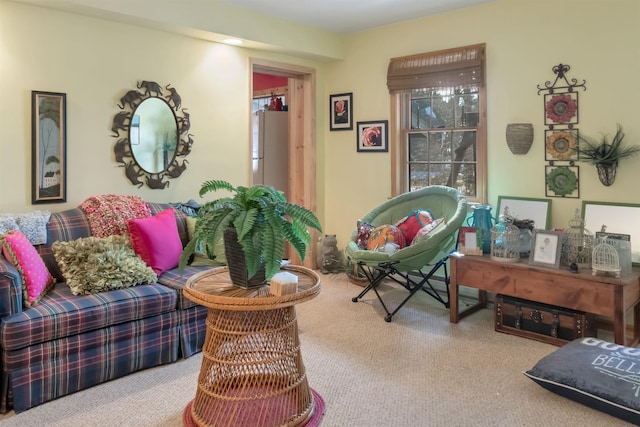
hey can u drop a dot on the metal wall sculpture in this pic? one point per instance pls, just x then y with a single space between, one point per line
152 133
562 176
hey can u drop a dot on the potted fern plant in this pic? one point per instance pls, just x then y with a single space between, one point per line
605 155
254 223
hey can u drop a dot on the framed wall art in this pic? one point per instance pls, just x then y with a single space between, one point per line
619 218
373 136
561 144
545 250
48 147
561 108
538 210
562 181
341 111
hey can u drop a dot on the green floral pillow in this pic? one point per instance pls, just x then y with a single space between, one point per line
95 264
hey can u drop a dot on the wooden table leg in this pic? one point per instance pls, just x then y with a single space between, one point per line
453 291
619 320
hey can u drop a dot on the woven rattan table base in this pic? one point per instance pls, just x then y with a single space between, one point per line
252 372
314 420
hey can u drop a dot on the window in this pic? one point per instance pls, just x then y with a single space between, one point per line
438 131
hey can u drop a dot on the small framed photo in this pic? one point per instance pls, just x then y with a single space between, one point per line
48 147
341 111
545 249
469 241
373 136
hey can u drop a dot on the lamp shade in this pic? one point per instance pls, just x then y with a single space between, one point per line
519 137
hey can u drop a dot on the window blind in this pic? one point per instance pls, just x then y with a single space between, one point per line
459 67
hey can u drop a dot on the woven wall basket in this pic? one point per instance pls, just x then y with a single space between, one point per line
519 137
236 263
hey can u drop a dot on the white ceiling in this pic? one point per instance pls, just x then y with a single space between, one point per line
338 16
349 16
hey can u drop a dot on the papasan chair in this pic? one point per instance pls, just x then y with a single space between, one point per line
414 265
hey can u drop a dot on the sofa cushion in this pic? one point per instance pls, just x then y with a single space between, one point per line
94 264
599 374
66 225
156 240
36 279
176 279
63 314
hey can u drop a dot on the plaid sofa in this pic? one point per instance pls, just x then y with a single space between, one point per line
66 343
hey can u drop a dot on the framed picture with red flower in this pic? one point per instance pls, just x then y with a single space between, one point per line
373 136
341 111
562 181
560 108
561 144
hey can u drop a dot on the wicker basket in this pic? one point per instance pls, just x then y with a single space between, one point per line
519 137
237 264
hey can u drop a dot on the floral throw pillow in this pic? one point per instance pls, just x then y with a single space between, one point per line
364 231
384 234
36 279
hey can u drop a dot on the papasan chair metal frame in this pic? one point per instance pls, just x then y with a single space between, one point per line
415 265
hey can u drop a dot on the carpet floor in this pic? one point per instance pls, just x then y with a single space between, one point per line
418 370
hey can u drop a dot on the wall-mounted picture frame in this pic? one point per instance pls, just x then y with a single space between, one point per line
545 249
562 181
373 136
48 147
620 218
341 111
538 210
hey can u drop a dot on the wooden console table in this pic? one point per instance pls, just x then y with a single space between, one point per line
601 295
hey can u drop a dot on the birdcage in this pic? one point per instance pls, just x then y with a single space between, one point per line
605 259
577 243
505 240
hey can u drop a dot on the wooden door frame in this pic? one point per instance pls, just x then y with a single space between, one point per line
301 101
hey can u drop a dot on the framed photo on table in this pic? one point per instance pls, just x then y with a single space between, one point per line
545 249
48 147
373 136
341 111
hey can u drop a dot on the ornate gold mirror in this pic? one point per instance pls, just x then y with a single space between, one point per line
155 136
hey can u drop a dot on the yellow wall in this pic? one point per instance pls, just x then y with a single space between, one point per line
525 39
95 61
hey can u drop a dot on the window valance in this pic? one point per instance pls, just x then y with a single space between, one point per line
459 67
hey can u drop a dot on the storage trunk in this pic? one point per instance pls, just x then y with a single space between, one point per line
542 322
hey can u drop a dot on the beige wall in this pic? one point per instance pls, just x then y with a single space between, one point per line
525 39
95 61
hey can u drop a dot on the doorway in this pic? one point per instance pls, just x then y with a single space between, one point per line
301 102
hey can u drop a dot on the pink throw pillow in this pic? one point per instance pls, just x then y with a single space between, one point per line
36 278
156 240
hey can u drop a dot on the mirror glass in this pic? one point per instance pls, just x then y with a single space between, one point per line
153 135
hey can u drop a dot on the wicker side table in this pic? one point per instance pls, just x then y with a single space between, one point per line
252 372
